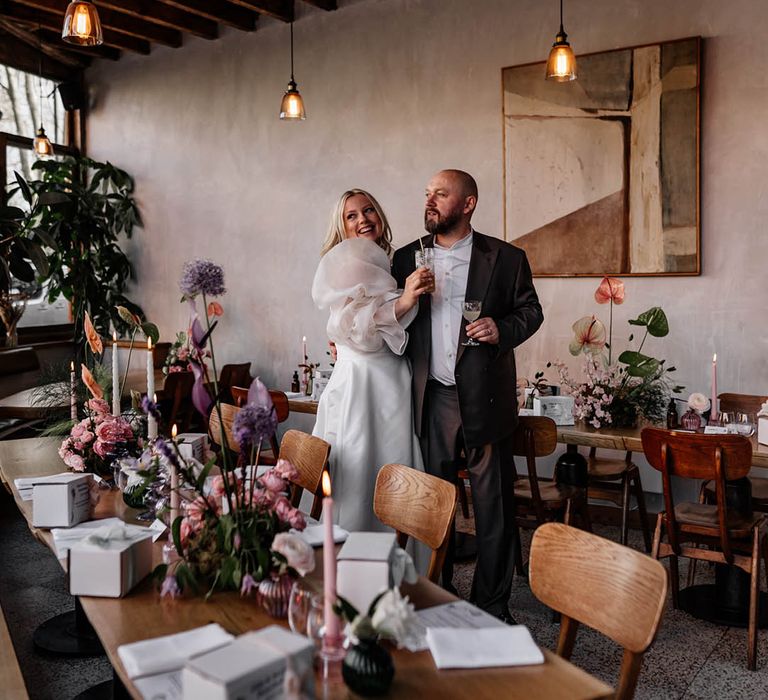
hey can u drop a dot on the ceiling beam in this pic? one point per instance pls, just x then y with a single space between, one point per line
164 15
279 9
125 24
327 5
102 51
17 54
219 11
35 18
54 52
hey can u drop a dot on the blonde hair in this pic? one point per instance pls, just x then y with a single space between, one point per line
337 233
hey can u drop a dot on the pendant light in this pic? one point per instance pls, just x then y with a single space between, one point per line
41 144
292 106
561 65
82 25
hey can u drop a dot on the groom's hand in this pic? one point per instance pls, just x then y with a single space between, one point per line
484 330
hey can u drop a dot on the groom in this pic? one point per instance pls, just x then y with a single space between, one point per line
466 396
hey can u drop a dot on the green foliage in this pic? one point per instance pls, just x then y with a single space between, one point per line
78 211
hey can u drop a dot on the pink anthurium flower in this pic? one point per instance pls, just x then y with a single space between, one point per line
215 309
589 336
610 289
93 338
91 383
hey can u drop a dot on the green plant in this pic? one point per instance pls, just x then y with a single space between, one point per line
79 209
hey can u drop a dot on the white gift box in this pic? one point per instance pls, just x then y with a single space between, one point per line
762 430
62 500
364 567
110 562
261 665
192 445
558 408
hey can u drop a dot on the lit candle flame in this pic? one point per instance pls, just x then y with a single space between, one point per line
304 339
174 431
149 343
714 357
114 336
154 400
72 366
326 484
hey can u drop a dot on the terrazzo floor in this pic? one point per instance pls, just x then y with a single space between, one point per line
690 659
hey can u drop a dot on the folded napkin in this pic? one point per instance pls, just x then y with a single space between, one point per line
483 648
314 535
295 395
63 537
402 567
169 653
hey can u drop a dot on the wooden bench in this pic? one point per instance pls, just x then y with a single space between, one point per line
13 687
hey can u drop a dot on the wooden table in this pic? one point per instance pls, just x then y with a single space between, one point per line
143 615
302 406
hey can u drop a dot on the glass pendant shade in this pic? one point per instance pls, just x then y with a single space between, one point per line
561 65
292 106
82 25
42 144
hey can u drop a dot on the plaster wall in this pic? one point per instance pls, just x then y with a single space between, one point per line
395 90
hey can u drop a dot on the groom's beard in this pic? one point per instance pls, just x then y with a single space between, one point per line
441 224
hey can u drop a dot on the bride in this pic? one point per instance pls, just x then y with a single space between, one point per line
365 412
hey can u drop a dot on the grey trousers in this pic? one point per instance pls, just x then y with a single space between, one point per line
491 474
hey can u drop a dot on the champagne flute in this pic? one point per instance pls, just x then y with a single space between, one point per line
471 312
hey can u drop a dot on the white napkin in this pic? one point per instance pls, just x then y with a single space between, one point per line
483 648
169 653
314 535
402 567
64 537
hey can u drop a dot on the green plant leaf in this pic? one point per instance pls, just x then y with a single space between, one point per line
655 320
150 330
176 534
26 193
344 609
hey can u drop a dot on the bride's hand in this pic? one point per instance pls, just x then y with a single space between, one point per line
420 281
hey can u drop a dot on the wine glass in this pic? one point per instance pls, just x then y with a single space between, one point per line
745 424
316 620
727 420
471 312
304 596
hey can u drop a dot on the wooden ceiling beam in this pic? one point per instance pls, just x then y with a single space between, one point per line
18 54
125 24
327 5
219 11
26 36
103 51
279 9
164 15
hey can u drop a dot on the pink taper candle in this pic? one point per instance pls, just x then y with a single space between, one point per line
713 412
174 483
332 636
72 393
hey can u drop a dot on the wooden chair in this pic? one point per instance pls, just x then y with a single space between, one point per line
176 405
617 480
233 375
730 537
620 593
309 454
224 439
416 505
542 500
280 402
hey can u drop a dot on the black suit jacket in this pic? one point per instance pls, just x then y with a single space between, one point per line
500 276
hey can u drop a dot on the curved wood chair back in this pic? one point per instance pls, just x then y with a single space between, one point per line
621 593
279 399
177 407
233 375
746 403
417 505
534 436
228 414
309 454
720 458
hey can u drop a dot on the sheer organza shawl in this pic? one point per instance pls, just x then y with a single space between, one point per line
354 284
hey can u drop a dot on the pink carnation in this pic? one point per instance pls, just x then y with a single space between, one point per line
285 469
272 481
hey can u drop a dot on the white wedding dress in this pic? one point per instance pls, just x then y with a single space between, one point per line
365 412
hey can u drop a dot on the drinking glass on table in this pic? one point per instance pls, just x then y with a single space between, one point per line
471 312
304 598
745 424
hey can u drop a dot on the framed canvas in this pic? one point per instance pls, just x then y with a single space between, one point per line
601 174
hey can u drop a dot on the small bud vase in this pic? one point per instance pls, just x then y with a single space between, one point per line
690 420
368 669
274 594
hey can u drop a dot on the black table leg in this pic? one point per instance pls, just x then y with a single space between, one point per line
108 690
68 634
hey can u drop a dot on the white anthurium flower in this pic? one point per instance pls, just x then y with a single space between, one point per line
396 619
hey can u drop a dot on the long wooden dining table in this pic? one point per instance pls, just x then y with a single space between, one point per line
142 614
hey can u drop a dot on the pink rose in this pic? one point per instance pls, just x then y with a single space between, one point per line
75 462
298 554
86 436
183 354
114 430
217 487
273 482
197 509
175 368
101 448
78 430
262 497
283 509
285 469
98 406
297 520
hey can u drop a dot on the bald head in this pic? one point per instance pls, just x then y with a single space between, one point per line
466 183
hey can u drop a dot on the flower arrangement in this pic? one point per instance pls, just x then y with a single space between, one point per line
390 616
178 356
234 532
636 385
698 402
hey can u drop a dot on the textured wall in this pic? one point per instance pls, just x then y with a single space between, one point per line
396 89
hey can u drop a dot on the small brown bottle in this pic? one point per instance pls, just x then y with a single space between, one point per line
672 415
295 388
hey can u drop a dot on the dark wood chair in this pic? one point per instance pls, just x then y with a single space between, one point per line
620 593
19 370
233 375
539 500
730 537
617 480
416 505
176 403
309 454
220 430
280 402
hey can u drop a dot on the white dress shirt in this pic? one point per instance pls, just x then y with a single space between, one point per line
451 273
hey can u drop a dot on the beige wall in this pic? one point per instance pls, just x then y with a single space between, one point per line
396 89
